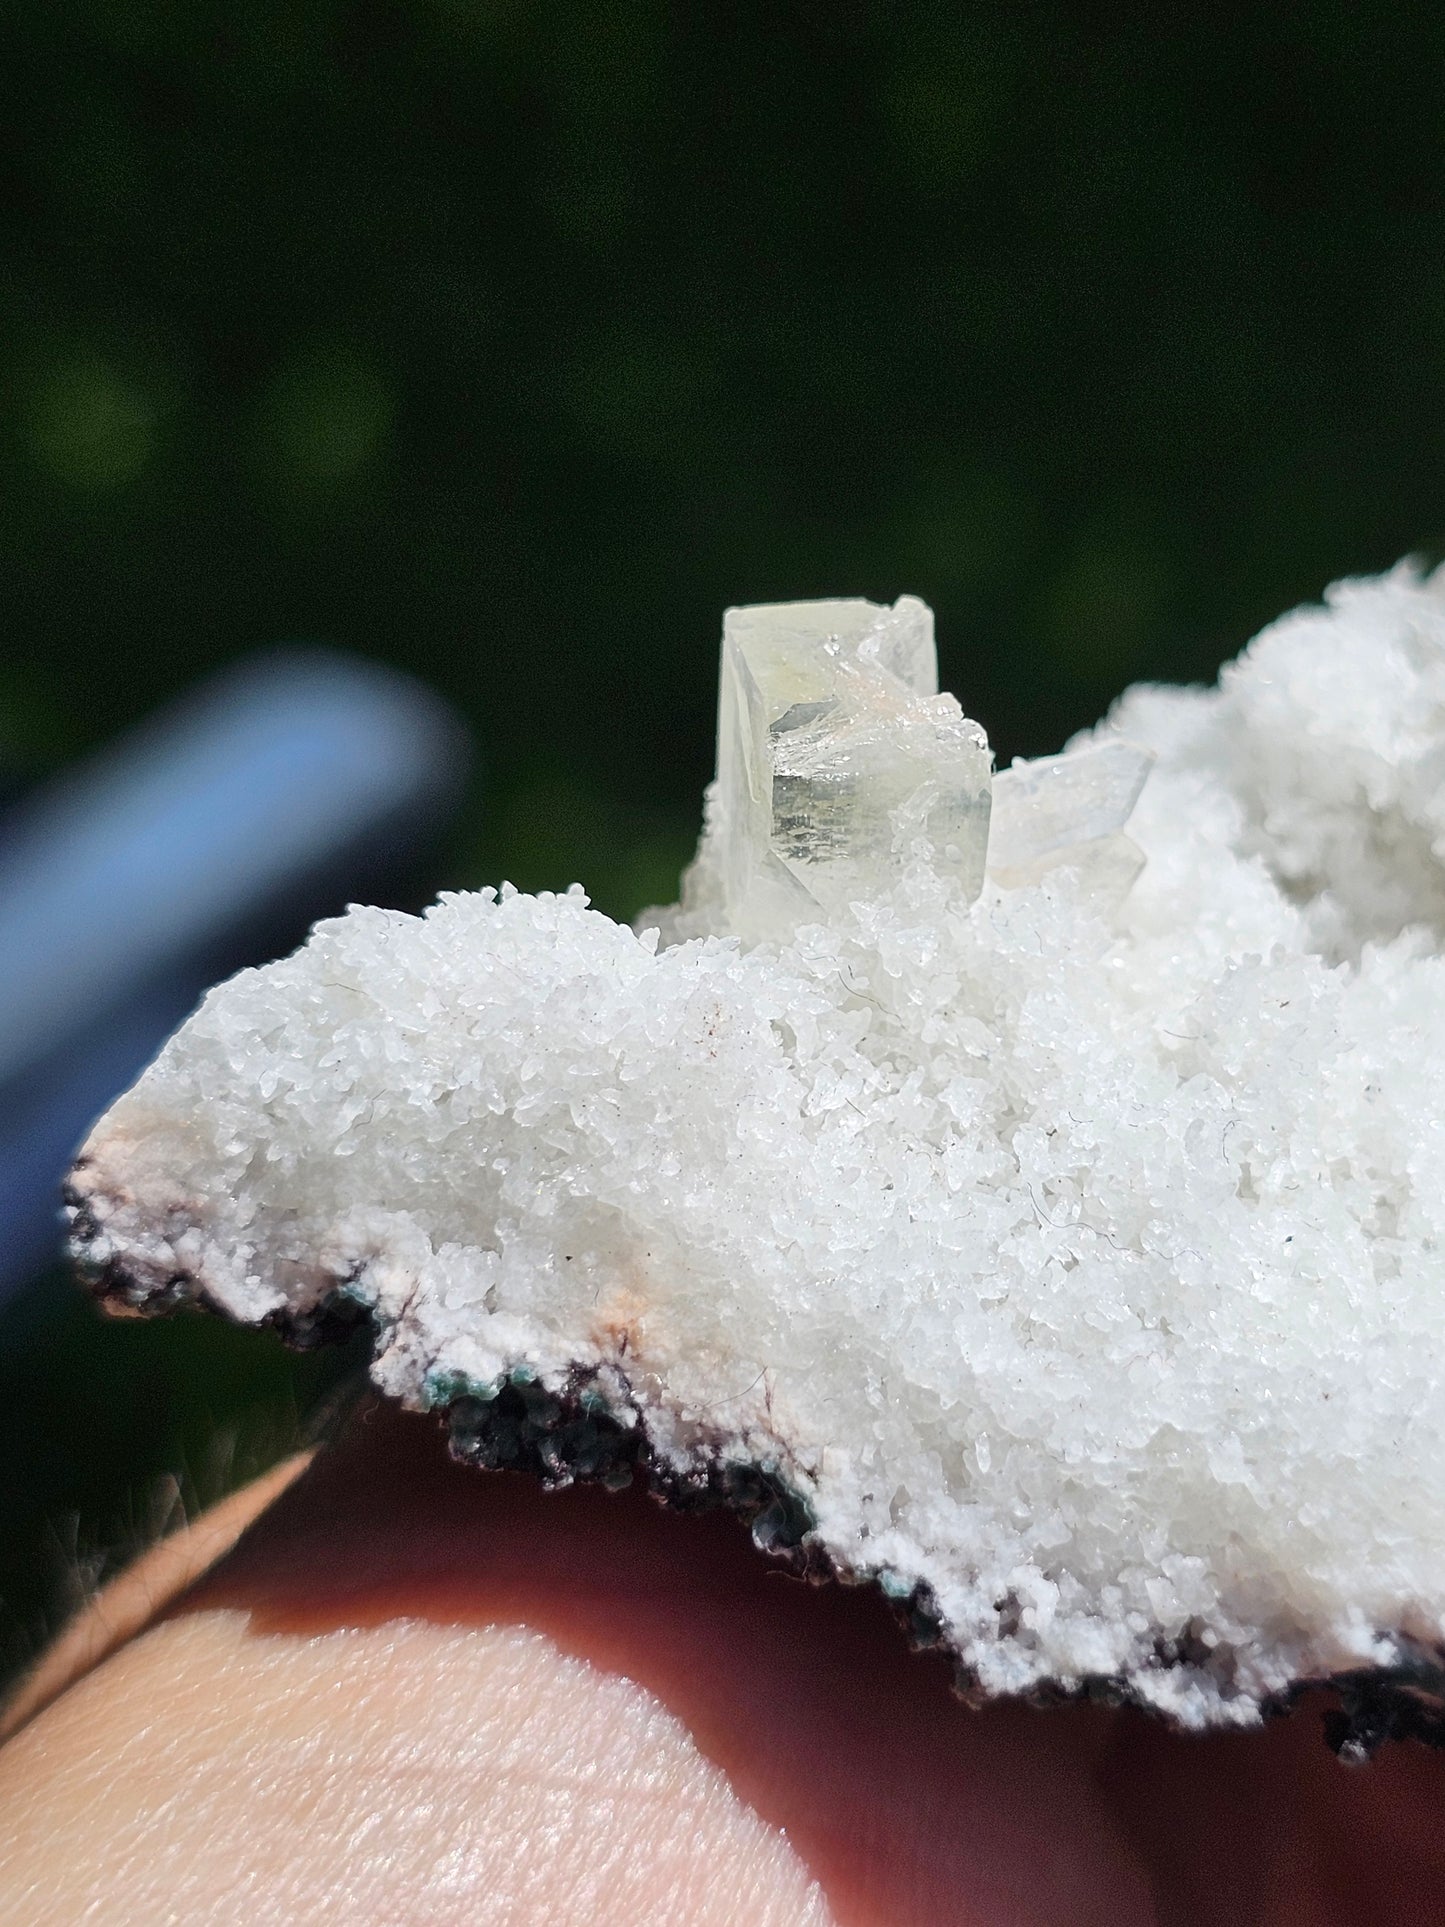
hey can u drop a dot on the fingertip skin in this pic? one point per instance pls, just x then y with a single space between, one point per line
391 1774
415 1691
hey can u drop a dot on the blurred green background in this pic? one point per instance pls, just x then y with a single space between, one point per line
510 342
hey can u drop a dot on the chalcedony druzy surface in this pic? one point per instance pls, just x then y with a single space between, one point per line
1026 1190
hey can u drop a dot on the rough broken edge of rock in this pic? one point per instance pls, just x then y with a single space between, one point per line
590 1429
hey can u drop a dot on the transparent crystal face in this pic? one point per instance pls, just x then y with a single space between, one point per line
1069 809
836 753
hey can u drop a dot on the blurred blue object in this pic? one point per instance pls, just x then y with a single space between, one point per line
193 845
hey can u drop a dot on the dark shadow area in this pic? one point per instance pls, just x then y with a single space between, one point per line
114 1431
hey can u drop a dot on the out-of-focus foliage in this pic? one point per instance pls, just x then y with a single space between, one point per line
510 342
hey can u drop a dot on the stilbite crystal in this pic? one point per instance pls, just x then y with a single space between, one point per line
1064 1256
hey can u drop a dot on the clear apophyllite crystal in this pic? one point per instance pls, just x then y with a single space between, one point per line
835 751
1069 810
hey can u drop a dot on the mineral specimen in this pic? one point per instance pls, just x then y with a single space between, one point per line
1066 1256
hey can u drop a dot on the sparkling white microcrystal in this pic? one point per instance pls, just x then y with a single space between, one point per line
1074 1250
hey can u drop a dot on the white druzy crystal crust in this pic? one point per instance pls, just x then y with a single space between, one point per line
1072 1253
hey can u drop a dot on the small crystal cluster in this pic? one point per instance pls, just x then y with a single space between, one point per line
1034 1184
837 754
